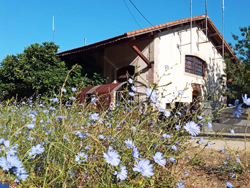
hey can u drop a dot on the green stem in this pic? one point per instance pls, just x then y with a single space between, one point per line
44 181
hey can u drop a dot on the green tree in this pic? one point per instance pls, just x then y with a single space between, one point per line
238 72
38 70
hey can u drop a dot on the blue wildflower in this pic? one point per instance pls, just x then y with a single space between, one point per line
130 80
94 116
167 113
133 88
158 106
54 100
72 98
79 134
229 185
6 144
180 185
232 131
246 100
135 153
237 111
87 147
209 124
122 175
72 174
173 147
94 100
200 117
1 140
152 94
10 162
180 92
208 144
102 137
11 151
159 159
46 111
166 135
143 166
38 149
30 125
81 157
166 67
129 143
112 157
178 127
172 159
73 89
64 90
192 128
132 94
20 173
32 115
52 108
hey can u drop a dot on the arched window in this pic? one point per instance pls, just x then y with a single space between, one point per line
124 73
195 65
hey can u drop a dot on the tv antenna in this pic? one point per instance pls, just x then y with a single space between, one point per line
53 30
223 29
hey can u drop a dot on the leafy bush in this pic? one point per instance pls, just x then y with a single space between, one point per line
39 70
238 79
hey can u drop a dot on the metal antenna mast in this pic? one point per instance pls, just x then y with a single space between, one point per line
223 30
206 17
191 26
53 30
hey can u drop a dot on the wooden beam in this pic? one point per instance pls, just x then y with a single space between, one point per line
214 34
151 34
142 56
218 47
133 38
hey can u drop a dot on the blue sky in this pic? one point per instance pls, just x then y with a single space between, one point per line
24 22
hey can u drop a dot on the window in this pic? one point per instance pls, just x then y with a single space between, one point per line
195 65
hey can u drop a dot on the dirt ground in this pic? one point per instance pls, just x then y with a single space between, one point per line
208 169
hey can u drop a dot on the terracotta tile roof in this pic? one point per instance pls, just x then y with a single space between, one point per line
185 20
130 34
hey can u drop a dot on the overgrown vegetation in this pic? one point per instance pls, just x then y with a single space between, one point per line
51 144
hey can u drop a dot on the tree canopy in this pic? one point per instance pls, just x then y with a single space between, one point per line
238 72
39 70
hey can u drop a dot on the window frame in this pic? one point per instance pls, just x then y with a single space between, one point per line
195 65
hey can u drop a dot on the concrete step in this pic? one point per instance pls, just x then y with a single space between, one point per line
225 128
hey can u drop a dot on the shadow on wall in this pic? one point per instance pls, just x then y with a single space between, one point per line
213 85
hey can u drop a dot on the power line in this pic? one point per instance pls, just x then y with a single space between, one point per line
140 12
131 13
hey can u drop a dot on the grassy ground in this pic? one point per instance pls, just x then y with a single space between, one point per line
209 170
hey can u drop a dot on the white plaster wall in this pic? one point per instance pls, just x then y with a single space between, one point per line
167 53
